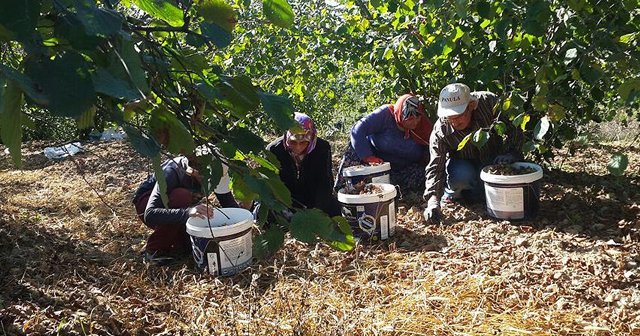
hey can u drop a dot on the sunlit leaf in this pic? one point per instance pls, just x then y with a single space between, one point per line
218 12
480 137
279 12
464 141
570 55
618 164
163 10
500 128
541 128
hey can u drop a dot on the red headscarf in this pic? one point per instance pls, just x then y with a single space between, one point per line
401 111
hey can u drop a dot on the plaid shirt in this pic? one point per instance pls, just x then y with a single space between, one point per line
444 141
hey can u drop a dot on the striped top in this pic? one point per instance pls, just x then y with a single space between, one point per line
444 141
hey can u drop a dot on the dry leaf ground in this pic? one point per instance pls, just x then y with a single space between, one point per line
70 263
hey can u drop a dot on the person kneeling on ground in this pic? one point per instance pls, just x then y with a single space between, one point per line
398 134
305 166
453 174
169 238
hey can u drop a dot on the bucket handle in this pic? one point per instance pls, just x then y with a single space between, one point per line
222 212
398 191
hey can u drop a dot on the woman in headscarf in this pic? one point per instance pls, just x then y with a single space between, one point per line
305 166
395 133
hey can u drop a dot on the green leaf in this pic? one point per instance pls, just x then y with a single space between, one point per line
105 82
266 163
69 28
618 164
464 141
500 128
98 21
590 73
627 89
279 108
484 9
480 137
211 170
86 119
521 121
156 162
65 82
539 102
25 83
268 242
279 12
307 224
241 190
11 100
18 18
216 34
142 143
163 10
217 12
239 94
179 138
528 147
541 128
132 68
245 140
278 188
347 242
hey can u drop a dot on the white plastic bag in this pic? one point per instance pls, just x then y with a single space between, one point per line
63 151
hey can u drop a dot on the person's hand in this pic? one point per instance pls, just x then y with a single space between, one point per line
373 160
504 159
432 213
201 211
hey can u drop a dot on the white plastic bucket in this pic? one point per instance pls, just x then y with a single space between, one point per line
513 196
222 245
370 174
371 216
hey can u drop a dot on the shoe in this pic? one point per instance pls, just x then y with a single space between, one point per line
157 258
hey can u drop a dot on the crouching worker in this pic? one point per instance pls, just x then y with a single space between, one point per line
453 175
169 238
305 166
395 133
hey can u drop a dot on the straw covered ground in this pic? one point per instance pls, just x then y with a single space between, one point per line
70 263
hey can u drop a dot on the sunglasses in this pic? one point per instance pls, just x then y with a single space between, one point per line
299 137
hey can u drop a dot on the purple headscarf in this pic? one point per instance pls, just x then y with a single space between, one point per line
309 132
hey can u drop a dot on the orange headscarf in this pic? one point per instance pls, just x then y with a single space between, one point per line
422 132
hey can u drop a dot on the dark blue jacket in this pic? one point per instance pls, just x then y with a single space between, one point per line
378 134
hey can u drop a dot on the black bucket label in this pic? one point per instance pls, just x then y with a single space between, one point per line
518 201
222 256
371 221
380 177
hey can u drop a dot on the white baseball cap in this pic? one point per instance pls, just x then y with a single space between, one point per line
454 99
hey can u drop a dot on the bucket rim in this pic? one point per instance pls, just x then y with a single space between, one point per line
389 192
198 227
513 179
361 170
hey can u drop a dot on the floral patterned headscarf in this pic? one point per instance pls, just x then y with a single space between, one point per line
306 132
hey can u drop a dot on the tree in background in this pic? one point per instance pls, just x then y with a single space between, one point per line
146 65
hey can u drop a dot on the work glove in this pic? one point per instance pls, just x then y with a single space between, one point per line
373 160
432 213
504 159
